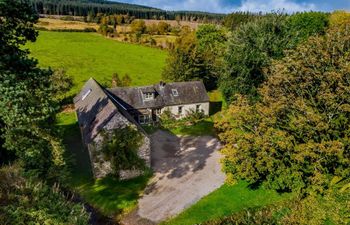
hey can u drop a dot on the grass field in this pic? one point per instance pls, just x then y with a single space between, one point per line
225 201
49 23
85 55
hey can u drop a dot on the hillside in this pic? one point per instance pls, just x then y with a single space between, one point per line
93 7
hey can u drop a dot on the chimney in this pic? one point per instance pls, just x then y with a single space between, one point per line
162 84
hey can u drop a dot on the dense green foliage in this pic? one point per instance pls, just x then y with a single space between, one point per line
83 55
120 147
24 201
306 24
297 137
196 55
253 46
94 7
27 105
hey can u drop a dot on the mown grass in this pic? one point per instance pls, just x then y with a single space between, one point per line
85 55
201 128
108 195
225 201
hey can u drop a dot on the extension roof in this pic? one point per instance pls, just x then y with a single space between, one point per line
165 94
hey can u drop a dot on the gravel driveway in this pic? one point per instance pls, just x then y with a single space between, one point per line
186 169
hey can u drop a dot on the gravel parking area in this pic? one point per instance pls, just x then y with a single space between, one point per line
186 169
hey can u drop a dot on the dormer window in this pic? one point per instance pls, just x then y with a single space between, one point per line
175 93
148 96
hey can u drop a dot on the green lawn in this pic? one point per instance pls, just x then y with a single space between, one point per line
204 127
85 55
225 201
110 196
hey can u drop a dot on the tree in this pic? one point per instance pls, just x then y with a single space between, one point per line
339 18
296 138
61 84
196 56
138 26
250 49
27 103
212 44
255 44
234 20
307 24
185 62
126 80
163 27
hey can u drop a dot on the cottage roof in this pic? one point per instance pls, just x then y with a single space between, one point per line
95 109
179 93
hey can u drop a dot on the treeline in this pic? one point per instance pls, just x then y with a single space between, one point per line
93 8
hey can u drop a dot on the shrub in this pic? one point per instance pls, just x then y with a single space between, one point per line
120 146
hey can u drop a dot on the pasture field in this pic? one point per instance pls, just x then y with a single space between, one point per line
50 23
85 55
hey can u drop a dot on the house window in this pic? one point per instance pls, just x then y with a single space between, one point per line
158 111
175 93
198 108
180 109
148 96
144 119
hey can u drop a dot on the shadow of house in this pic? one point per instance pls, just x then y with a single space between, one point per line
177 156
98 112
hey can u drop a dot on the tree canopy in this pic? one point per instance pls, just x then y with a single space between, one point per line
254 44
296 138
27 104
197 55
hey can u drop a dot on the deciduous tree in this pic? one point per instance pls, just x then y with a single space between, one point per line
27 103
297 137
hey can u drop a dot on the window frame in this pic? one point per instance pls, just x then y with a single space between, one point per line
180 110
144 119
198 108
148 96
175 92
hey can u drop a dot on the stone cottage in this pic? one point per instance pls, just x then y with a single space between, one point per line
99 112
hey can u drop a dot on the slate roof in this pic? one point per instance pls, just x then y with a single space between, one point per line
188 93
96 110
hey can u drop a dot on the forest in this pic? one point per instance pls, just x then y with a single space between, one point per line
284 123
92 8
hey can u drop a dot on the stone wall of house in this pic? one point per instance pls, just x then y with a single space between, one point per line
102 167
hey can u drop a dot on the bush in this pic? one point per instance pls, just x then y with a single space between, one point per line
120 146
